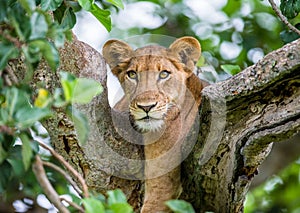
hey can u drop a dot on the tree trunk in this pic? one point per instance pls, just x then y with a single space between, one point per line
239 120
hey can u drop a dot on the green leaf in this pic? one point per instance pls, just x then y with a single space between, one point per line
51 5
86 4
81 124
85 89
26 150
7 51
28 5
39 26
15 159
43 99
79 90
121 208
68 82
92 205
3 10
231 69
3 153
5 177
289 36
116 196
48 51
69 19
290 8
102 15
26 116
15 99
117 3
180 206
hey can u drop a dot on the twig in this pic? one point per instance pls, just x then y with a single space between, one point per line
12 39
283 18
67 177
73 204
11 73
50 192
7 130
69 167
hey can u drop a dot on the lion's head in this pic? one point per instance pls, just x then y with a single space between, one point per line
154 78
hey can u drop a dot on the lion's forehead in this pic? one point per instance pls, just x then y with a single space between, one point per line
152 63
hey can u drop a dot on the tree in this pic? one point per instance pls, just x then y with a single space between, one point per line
239 117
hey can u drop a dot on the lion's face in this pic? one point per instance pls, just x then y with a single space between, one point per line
153 78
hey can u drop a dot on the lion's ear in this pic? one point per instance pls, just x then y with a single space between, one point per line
116 52
188 51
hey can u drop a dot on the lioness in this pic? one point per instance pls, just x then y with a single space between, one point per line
162 95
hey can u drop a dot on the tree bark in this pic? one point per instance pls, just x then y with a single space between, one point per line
240 118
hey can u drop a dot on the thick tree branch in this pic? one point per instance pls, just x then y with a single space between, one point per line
240 119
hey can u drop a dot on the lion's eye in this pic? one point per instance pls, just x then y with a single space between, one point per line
132 74
164 74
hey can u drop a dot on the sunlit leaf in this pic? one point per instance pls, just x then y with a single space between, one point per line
43 99
180 206
116 196
117 3
86 4
85 89
91 205
231 69
81 124
102 15
68 82
121 208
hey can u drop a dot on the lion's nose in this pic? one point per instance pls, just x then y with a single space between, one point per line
147 107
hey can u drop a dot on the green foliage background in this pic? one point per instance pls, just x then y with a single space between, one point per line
27 29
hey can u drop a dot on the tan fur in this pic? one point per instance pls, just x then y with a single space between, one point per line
174 105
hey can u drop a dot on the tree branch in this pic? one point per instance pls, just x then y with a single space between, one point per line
41 177
66 176
240 119
283 18
69 167
79 208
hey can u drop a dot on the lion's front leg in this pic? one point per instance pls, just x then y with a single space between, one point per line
162 175
161 189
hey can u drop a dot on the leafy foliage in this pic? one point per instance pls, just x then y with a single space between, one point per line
290 8
115 203
30 31
180 206
279 194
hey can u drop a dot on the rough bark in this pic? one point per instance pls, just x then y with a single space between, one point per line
239 120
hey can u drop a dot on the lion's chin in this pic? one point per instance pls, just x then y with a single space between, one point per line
149 125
